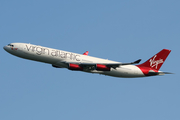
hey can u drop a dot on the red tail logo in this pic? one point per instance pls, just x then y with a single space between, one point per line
156 61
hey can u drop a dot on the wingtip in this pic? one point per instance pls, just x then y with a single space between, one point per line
86 53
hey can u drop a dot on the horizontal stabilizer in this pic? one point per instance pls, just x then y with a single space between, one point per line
158 73
165 73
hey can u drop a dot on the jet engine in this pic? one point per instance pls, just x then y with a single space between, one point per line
102 67
74 67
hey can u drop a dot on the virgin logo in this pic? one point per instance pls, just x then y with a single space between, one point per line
155 63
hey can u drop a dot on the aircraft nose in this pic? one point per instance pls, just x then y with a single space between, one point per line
5 48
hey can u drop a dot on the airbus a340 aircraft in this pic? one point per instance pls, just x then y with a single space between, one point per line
85 63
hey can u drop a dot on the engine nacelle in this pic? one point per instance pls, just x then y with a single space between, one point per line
56 66
102 67
74 67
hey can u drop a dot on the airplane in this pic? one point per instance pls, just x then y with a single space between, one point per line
86 63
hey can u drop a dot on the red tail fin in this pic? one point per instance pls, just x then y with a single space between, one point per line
156 61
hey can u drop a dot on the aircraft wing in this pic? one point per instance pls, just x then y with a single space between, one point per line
120 64
93 66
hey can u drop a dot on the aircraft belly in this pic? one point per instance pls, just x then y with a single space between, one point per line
128 71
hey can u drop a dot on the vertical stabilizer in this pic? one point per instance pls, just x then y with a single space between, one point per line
155 62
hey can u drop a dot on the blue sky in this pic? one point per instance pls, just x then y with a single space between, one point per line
118 30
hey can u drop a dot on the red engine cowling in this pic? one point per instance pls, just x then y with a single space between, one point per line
102 67
74 67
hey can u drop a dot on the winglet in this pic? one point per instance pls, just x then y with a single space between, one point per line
86 53
137 61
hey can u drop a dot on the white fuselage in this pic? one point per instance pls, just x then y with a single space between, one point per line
59 58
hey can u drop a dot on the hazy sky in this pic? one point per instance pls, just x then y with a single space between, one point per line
118 30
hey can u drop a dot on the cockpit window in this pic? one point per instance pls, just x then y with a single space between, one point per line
10 45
